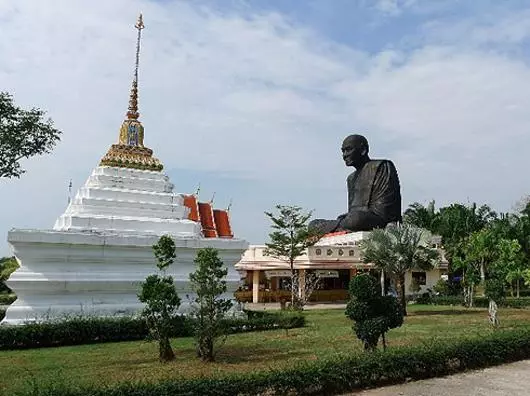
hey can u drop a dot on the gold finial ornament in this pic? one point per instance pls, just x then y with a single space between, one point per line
130 151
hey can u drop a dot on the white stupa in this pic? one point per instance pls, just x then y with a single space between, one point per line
100 250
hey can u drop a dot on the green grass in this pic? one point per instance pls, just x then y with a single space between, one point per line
328 332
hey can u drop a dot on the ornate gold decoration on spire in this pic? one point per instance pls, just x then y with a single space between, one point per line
130 151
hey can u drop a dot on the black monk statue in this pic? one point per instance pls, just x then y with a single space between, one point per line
374 197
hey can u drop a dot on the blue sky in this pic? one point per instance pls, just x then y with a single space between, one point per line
252 99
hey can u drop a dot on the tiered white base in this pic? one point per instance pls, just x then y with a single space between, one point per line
98 273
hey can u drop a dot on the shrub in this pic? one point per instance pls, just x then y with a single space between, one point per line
442 287
480 302
78 331
337 375
208 282
373 314
161 299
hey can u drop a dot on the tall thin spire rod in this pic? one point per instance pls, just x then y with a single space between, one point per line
133 99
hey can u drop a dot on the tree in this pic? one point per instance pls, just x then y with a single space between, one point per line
209 285
510 262
397 249
457 222
160 296
481 248
289 240
374 314
421 216
23 134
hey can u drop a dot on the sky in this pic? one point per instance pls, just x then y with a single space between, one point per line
251 99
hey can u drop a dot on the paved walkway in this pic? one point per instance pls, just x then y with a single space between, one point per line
507 380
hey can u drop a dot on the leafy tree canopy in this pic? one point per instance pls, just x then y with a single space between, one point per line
23 134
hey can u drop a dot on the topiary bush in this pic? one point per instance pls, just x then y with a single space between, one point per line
372 313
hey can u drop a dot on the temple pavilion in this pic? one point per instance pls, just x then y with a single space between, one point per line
335 259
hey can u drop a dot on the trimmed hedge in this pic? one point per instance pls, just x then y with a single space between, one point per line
333 376
479 302
77 331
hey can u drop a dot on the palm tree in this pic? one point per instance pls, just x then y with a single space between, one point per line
399 248
422 216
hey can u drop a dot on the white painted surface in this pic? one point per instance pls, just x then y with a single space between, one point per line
100 250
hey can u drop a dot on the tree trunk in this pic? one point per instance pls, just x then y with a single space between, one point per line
383 291
401 293
483 277
384 342
518 279
208 354
471 291
165 351
293 290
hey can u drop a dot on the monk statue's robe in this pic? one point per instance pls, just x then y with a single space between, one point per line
374 200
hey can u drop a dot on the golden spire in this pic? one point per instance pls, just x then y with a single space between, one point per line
133 114
130 151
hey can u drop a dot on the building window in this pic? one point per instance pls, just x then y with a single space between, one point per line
341 252
420 278
318 252
351 253
329 252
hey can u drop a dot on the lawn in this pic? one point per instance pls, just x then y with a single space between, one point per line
327 332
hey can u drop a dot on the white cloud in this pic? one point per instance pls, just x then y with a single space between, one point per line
501 26
393 7
261 98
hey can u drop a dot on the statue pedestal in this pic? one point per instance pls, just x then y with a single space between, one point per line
342 238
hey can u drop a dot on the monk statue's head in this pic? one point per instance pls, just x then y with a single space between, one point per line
355 151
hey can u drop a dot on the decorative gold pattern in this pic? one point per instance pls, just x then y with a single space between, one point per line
130 151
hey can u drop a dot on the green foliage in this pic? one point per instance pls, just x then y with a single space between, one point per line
7 266
526 277
480 302
7 299
510 263
23 134
80 330
161 300
210 308
290 238
397 249
164 252
495 290
420 216
337 375
373 314
442 287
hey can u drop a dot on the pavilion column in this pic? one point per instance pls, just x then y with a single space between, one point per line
353 272
255 286
301 280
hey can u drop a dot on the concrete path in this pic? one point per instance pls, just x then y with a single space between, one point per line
507 380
